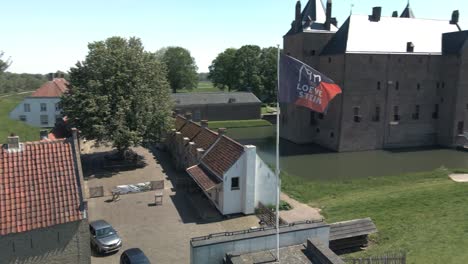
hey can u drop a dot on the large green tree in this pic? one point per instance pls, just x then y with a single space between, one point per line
223 71
269 74
181 68
119 93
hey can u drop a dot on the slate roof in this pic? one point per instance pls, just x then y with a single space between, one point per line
314 9
53 88
220 158
389 35
203 178
452 43
407 12
38 187
186 99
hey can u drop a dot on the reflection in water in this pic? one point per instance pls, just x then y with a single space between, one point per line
313 162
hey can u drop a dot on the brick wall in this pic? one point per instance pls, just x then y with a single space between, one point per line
65 243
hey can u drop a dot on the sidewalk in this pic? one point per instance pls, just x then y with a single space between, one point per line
300 211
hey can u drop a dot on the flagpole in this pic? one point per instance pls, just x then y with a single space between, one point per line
277 171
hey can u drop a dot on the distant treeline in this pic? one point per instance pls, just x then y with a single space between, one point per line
203 77
20 82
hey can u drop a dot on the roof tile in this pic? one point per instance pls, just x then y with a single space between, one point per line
203 178
223 155
53 88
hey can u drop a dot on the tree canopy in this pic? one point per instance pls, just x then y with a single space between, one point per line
249 68
119 93
181 68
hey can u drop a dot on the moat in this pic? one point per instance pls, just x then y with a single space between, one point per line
314 162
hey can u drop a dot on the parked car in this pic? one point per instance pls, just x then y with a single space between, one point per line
134 256
104 238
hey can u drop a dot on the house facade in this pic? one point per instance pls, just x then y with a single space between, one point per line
43 211
218 105
232 176
403 79
42 108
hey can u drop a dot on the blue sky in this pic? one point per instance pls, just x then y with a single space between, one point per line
49 35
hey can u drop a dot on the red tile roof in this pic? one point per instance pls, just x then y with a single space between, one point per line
38 187
203 178
179 122
53 88
223 155
190 130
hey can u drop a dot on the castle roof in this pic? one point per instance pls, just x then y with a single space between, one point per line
186 99
407 12
453 43
389 35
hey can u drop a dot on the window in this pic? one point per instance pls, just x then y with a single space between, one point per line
357 117
460 128
438 85
443 85
235 183
43 107
376 117
321 116
27 108
416 113
57 107
418 86
332 135
397 86
44 120
312 120
435 114
317 130
23 118
329 59
378 85
312 53
396 116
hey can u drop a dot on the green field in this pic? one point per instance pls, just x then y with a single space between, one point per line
238 123
203 87
424 214
8 126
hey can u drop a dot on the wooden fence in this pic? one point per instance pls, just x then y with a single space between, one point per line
390 258
267 216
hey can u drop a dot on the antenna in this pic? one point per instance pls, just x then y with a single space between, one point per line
351 9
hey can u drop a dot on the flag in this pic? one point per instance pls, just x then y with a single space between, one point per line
302 85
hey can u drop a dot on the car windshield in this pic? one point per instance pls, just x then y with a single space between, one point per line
107 231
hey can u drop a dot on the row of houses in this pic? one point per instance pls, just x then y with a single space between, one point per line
231 175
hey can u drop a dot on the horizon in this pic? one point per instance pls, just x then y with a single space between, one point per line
30 42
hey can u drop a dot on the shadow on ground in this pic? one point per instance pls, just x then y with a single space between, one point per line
104 164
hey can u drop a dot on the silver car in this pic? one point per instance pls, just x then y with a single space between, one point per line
104 238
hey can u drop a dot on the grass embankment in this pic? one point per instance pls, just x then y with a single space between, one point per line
238 123
203 87
8 126
425 214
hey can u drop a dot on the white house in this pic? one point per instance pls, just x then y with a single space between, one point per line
41 109
231 175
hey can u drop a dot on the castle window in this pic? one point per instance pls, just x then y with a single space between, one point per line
418 86
466 106
321 116
312 120
416 113
357 118
460 127
443 85
317 130
376 117
312 53
329 60
332 135
435 114
396 116
378 85
438 85
397 86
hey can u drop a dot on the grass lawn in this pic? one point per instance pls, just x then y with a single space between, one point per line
238 123
8 126
203 87
425 214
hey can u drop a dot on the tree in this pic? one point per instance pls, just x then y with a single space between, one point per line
223 71
120 94
181 68
268 74
247 64
4 64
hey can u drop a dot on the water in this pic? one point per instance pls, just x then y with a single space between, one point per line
314 162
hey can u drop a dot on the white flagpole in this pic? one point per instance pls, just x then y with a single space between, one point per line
277 171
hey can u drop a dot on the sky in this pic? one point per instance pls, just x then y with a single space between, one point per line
50 35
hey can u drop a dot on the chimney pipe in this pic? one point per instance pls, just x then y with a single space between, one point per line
13 142
188 116
328 15
455 17
376 14
298 19
50 76
395 14
409 47
221 131
43 134
204 123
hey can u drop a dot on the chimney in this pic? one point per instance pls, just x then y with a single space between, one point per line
204 123
298 19
329 13
455 17
43 134
188 116
395 14
13 142
50 76
409 47
334 21
221 131
200 153
376 14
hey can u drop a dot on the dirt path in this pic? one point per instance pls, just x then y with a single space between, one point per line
300 211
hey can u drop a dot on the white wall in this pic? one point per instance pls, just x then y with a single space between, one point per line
265 183
232 199
34 116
